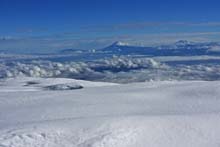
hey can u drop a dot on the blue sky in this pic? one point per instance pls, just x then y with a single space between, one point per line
47 25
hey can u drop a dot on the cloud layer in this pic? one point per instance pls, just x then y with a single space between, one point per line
117 69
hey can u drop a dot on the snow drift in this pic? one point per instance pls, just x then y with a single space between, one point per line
156 114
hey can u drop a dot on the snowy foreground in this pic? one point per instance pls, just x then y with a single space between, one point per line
71 113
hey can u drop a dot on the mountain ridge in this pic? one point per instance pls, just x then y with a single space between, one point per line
179 48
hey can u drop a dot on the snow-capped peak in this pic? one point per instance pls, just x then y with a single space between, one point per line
118 43
182 42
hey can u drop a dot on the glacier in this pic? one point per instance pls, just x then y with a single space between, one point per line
157 114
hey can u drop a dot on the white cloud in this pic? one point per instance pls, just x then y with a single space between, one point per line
117 69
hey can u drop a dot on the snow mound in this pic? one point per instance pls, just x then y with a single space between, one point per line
69 86
39 84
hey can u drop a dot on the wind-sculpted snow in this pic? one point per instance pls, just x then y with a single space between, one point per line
122 69
155 114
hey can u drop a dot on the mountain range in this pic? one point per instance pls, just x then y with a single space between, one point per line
180 48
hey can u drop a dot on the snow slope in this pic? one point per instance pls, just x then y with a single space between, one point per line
154 114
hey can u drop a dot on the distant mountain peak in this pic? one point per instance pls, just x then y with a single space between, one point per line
119 43
183 42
